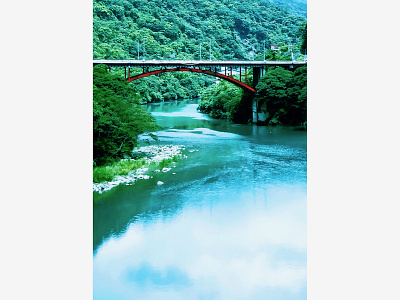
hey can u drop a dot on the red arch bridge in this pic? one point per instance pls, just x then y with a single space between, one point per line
223 69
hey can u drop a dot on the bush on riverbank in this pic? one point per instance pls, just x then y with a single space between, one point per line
220 100
283 95
154 158
123 167
225 101
117 117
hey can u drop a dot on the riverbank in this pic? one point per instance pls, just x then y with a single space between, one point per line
145 160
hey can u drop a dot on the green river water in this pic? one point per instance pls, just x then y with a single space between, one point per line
230 223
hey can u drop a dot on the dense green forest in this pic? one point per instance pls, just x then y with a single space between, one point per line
172 29
177 28
296 7
117 117
282 93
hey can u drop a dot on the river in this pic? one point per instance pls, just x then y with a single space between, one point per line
229 222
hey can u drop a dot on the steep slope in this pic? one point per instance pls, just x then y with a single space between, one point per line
176 28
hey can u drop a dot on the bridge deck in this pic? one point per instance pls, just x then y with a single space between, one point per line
195 63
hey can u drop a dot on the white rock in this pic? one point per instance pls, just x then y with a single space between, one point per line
160 182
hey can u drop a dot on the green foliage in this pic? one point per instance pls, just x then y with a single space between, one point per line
296 7
117 117
285 95
302 33
123 167
103 173
277 55
126 166
282 92
221 100
165 162
172 29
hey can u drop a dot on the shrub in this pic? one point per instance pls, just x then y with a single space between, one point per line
117 117
123 167
104 173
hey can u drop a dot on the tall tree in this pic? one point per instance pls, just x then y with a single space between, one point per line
117 117
302 33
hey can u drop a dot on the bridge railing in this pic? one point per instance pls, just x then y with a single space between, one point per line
195 63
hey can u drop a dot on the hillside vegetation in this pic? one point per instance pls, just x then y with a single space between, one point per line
180 29
296 7
117 117
176 28
281 93
184 29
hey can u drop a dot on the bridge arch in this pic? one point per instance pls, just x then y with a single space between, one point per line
208 72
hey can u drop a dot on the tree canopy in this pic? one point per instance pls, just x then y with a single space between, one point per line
282 93
191 29
117 117
176 28
181 29
285 95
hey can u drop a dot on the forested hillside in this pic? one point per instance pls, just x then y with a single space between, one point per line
295 7
176 28
180 29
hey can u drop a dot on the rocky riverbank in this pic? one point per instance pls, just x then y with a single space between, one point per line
155 159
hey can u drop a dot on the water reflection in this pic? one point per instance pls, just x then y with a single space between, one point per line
145 275
237 251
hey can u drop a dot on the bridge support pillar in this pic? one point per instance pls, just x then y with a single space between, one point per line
256 75
256 78
254 109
